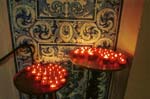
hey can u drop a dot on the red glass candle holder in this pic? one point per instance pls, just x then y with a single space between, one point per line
98 58
41 79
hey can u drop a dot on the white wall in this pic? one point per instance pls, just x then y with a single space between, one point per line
7 69
134 37
139 79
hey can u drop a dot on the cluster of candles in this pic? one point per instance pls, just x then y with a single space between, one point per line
98 58
51 76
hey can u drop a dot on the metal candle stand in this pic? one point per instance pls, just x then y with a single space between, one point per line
98 58
39 79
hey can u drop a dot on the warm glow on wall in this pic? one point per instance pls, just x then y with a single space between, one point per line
130 25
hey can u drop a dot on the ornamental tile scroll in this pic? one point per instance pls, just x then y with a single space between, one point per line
55 27
66 9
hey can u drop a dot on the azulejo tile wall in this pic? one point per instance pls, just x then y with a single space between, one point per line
55 27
